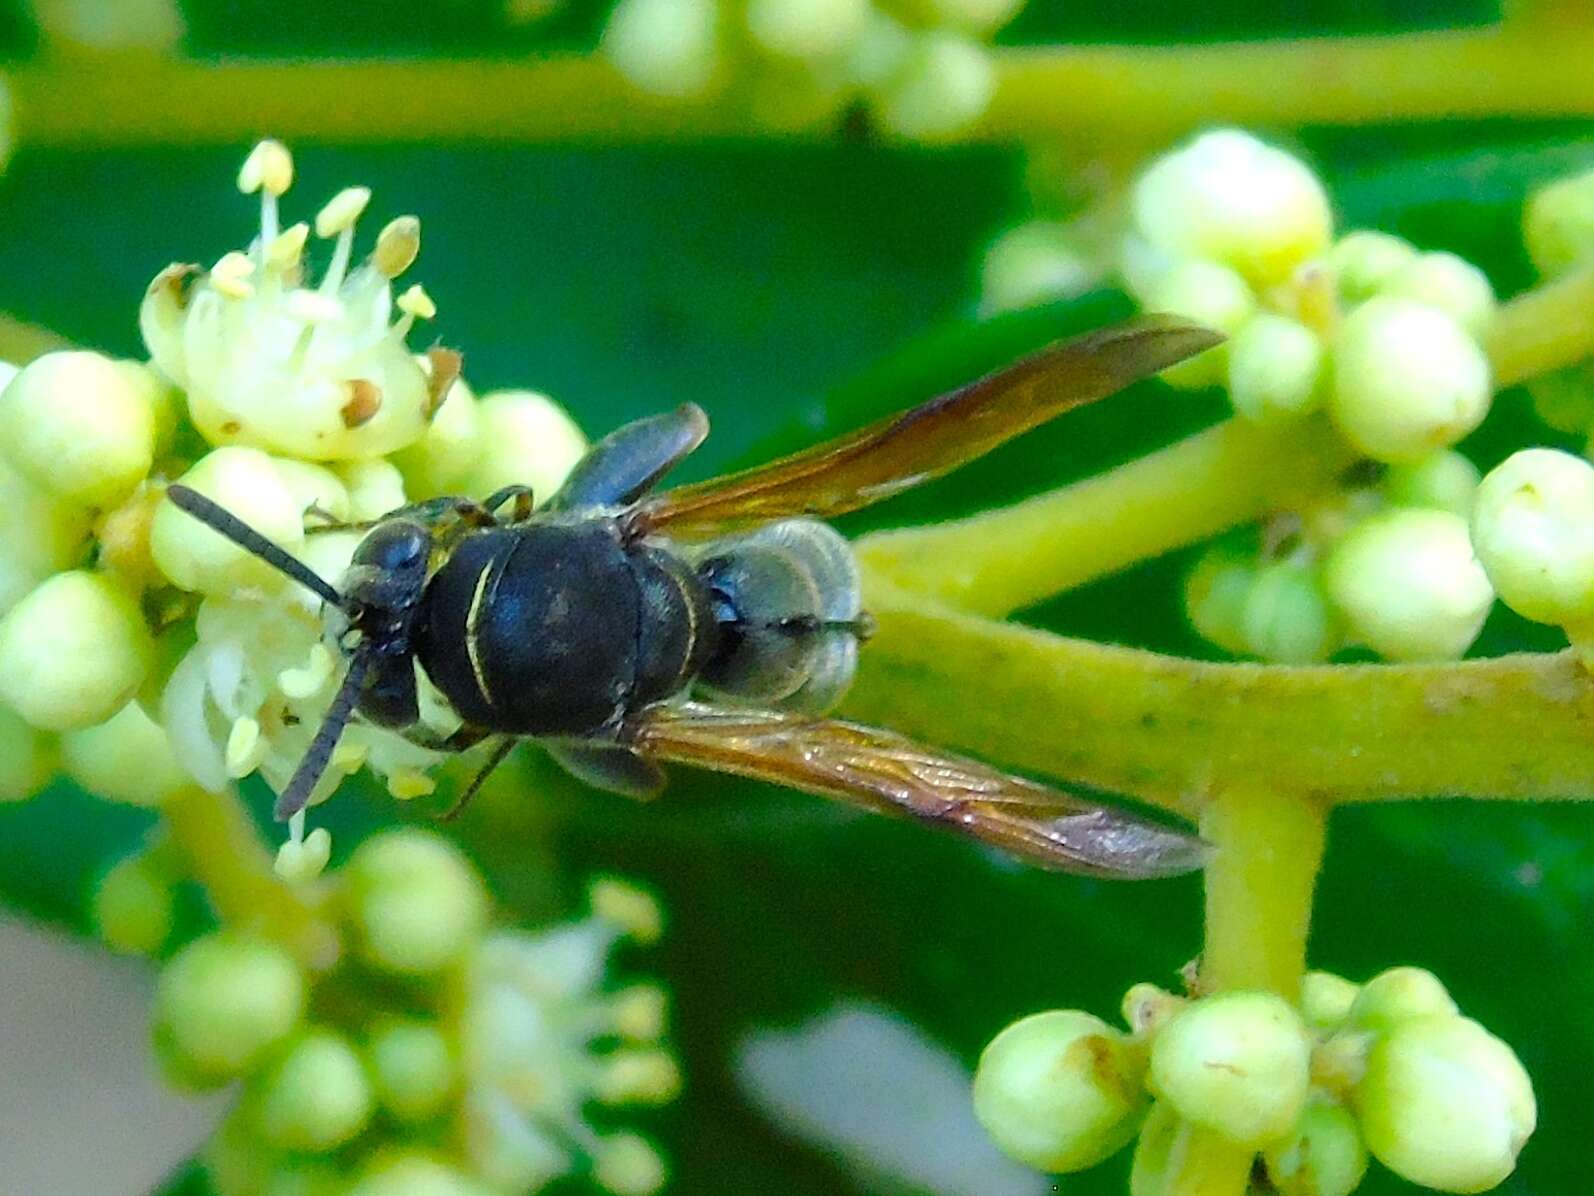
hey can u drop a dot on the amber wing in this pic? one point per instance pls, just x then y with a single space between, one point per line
888 773
927 441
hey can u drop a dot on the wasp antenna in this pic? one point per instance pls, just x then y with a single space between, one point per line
293 798
219 519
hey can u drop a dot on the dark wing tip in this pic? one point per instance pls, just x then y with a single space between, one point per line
1120 845
1168 339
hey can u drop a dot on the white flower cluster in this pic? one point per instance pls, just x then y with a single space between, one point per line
1389 1066
1365 330
488 1045
1389 565
158 650
1239 235
922 67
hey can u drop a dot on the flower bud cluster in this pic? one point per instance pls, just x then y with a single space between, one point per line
1239 235
1389 565
1389 1067
921 66
435 1049
139 649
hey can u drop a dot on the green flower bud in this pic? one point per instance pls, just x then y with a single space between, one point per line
1275 368
1326 999
304 1177
1210 294
1364 261
314 486
1148 1173
1286 617
440 463
412 1173
1232 198
376 487
1237 1063
1215 596
1059 1091
316 1097
247 483
1558 223
28 757
127 759
75 424
1408 585
165 402
1564 399
132 907
1037 262
979 17
413 1066
40 534
1449 283
1442 481
222 1002
1407 380
667 48
942 85
1398 995
1146 1007
1445 1104
1323 1157
415 901
1533 529
805 29
627 1165
73 652
527 439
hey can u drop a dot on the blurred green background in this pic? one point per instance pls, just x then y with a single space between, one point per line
792 289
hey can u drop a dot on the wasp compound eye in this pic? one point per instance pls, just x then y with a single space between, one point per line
393 546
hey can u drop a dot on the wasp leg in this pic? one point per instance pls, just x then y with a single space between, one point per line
500 750
631 460
521 496
609 768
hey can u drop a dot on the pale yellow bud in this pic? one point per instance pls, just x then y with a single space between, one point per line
73 652
127 759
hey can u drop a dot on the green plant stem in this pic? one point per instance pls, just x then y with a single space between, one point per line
1342 80
1202 1163
999 561
1174 732
226 856
1545 329
1139 91
1267 846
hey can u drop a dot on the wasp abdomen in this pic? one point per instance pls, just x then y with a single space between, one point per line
787 602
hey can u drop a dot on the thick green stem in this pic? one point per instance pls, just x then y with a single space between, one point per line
1268 846
1146 92
225 854
998 561
1544 329
1174 731
1418 76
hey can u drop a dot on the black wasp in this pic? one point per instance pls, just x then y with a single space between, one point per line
712 624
